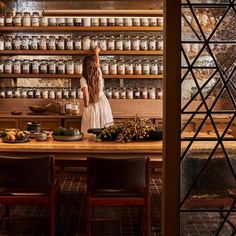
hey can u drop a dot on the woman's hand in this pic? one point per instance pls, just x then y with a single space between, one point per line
97 50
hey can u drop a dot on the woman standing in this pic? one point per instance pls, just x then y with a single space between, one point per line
97 111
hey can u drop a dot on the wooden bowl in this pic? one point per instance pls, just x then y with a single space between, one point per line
38 109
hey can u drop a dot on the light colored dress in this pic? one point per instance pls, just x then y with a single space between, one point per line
98 114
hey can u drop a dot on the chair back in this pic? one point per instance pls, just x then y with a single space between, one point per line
118 173
27 172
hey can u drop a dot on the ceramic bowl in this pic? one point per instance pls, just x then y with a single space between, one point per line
40 136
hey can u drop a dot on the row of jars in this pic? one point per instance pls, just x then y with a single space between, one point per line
36 19
67 93
113 67
119 42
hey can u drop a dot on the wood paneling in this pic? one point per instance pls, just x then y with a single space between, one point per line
8 123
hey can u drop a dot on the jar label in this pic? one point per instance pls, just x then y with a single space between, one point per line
2 21
111 45
68 106
136 44
17 20
8 20
119 45
78 45
30 93
86 45
1 45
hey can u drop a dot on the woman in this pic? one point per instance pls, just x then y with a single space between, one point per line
97 111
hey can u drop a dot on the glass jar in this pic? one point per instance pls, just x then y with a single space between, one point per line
137 93
69 21
69 43
61 21
160 44
152 43
1 67
9 93
35 19
65 93
103 21
115 93
1 43
95 21
61 43
105 67
159 93
109 93
153 21
2 20
35 67
43 68
43 43
136 43
113 67
45 94
25 43
8 43
78 67
127 43
87 21
52 67
103 43
129 70
119 21
94 42
58 94
61 67
119 42
123 93
121 67
128 21
78 43
37 93
52 21
152 93
26 20
75 108
17 19
146 67
136 21
78 21
79 93
23 93
8 19
16 43
130 93
160 21
73 94
17 67
86 43
70 68
30 93
154 67
26 67
68 107
144 43
160 68
8 67
138 67
51 94
111 21
2 93
44 21
144 21
34 43
144 93
111 43
52 43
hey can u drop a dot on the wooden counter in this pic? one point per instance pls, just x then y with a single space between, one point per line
75 153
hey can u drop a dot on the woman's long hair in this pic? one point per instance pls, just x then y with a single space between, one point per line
91 75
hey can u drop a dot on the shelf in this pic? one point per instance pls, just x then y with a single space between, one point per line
81 28
78 52
76 76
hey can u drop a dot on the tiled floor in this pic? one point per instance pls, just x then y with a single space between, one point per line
73 217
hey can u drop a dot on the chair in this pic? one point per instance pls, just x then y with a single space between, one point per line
28 181
116 181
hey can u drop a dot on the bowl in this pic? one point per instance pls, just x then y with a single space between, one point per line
38 109
40 136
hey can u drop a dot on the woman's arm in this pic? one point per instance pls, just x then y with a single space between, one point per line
85 96
96 51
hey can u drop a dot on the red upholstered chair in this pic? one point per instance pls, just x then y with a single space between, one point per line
116 181
28 180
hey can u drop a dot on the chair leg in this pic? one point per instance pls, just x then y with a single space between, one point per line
52 219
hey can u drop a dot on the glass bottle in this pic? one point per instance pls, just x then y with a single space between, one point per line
103 43
123 93
111 21
94 42
75 108
152 43
144 93
115 93
61 43
105 67
17 67
9 93
43 68
146 67
136 93
37 93
111 43
160 45
72 93
86 43
103 21
95 21
152 93
121 67
130 93
160 21
159 93
154 67
23 93
127 43
70 67
51 43
61 21
35 20
119 21
8 43
129 68
136 43
26 19
8 67
136 21
17 19
30 93
138 67
143 43
43 21
52 21
79 93
61 67
119 42
113 67
65 93
25 43
1 43
43 43
2 93
87 21
78 67
51 94
35 67
160 68
2 20
78 21
26 67
128 21
144 21
68 107
78 43
17 43
153 21
45 94
34 43
69 43
58 94
52 67
109 93
1 67
8 19
69 21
